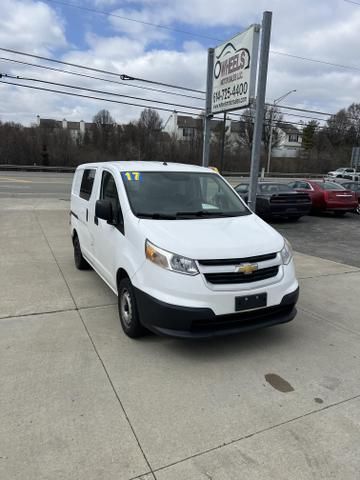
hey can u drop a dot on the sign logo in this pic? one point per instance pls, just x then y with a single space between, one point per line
230 61
247 268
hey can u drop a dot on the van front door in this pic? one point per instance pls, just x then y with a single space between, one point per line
108 238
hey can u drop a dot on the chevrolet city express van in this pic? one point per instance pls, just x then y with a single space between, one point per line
181 250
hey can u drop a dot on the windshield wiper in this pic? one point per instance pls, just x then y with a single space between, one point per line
207 213
192 213
156 216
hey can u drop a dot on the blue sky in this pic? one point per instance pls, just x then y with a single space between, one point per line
322 29
99 23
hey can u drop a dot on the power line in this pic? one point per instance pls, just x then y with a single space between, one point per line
145 80
198 113
128 19
166 92
286 107
156 25
106 72
92 90
62 92
315 60
141 87
350 1
116 74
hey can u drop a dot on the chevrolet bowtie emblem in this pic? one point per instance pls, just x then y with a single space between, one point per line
247 268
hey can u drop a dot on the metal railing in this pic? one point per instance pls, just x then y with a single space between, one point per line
35 168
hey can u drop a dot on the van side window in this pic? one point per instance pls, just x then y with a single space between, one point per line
87 183
109 192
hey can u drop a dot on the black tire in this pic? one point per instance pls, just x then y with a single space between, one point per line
80 262
339 214
294 218
128 312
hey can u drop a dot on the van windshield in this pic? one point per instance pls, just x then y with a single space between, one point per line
179 195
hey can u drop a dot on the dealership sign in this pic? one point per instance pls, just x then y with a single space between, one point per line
234 72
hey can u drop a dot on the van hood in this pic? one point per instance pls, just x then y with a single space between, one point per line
214 238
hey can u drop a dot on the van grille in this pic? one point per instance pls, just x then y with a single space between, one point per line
238 261
239 277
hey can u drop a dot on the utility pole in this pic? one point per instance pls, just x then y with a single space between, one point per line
207 117
278 100
260 107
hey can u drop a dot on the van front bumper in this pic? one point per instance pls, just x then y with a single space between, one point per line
186 322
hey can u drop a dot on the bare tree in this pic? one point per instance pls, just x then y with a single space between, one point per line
272 119
149 132
150 120
103 117
104 131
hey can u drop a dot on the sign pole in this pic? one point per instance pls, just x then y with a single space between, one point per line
222 144
207 117
260 107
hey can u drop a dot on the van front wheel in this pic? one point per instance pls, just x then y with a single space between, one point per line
128 313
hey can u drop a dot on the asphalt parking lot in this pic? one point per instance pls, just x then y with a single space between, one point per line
79 400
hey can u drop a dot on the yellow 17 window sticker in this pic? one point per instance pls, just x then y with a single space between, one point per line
132 176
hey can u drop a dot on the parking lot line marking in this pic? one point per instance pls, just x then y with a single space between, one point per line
15 180
258 432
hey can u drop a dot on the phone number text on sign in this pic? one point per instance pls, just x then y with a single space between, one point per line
235 95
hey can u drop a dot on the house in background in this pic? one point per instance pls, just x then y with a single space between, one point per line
289 142
76 129
182 127
186 128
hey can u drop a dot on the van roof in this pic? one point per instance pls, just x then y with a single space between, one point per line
125 166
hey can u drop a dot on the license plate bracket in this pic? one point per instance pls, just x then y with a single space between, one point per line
248 302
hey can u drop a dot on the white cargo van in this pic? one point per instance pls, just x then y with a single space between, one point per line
180 248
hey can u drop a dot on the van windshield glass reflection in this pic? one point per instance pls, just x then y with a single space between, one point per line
179 195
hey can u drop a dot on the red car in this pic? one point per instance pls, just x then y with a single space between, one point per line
327 196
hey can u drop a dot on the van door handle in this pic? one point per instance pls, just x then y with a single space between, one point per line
87 215
96 221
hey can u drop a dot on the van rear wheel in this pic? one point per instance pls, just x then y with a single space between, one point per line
80 262
128 312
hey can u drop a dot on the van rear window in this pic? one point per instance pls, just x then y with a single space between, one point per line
87 183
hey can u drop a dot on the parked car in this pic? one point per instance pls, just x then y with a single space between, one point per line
340 172
181 250
344 172
354 187
274 200
327 196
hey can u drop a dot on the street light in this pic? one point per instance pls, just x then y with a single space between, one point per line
278 100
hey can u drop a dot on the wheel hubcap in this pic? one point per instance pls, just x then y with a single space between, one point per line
126 308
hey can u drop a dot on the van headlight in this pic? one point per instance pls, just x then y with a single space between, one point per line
170 261
286 253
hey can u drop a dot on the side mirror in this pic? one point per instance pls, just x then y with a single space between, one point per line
103 210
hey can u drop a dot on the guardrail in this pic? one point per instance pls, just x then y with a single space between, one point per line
276 175
43 168
35 168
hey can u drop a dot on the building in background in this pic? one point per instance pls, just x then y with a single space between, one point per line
76 129
186 128
289 142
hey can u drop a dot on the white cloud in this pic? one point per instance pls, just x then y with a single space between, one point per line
321 29
31 26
